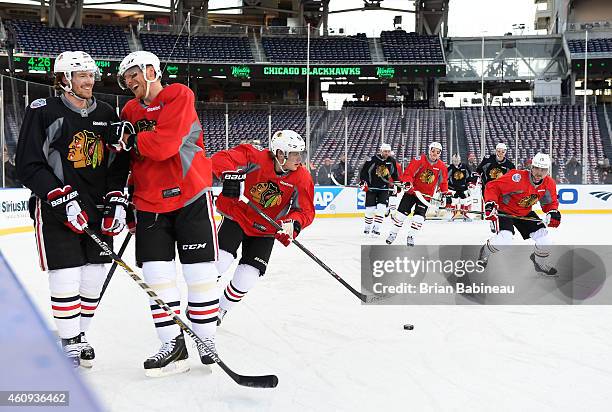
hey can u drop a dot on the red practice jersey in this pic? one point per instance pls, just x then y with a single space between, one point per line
170 169
290 195
425 176
515 194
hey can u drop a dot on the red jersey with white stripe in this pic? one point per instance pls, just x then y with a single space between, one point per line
426 176
170 168
289 195
515 194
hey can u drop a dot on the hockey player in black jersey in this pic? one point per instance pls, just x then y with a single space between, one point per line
75 181
376 179
458 181
494 166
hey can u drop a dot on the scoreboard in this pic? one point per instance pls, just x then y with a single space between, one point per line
36 64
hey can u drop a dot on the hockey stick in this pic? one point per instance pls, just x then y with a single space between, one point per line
364 298
422 199
111 272
263 381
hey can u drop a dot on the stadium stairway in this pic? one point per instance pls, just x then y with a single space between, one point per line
257 48
376 50
460 137
604 129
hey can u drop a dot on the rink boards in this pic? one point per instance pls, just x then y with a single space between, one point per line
330 201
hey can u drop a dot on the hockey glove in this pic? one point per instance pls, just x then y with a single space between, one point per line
553 218
67 205
115 213
231 183
363 185
290 229
116 131
407 186
490 209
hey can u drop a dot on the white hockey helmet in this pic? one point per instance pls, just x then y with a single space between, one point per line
501 146
435 145
286 141
385 146
541 160
142 59
74 61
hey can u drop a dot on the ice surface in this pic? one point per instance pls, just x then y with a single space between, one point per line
333 354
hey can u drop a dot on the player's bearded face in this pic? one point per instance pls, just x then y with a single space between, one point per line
82 84
385 153
434 154
501 153
538 173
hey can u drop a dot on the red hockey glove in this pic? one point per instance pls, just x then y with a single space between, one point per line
407 186
67 205
490 209
115 212
290 229
553 218
364 186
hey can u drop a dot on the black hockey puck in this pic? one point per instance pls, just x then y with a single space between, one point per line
408 326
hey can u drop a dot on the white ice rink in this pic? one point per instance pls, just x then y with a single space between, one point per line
333 354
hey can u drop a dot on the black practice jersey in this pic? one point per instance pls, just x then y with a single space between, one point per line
490 169
60 145
458 177
379 172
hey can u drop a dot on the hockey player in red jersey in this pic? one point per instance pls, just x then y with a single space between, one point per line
173 201
75 181
515 193
425 173
280 186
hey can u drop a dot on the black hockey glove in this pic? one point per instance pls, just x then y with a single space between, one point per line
116 131
231 183
115 213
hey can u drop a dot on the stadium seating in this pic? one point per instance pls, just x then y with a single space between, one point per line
351 49
99 41
203 48
399 46
365 125
248 124
534 132
594 46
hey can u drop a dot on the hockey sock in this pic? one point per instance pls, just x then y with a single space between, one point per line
161 276
500 240
379 216
92 279
416 224
398 220
543 241
202 297
244 279
369 217
225 261
66 301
